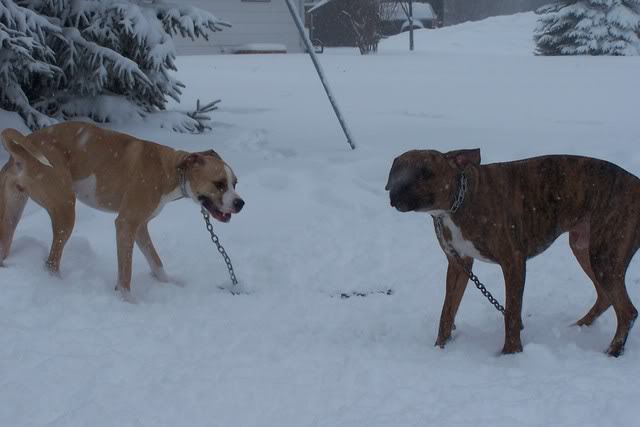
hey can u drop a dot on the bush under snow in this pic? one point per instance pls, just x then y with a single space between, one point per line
106 60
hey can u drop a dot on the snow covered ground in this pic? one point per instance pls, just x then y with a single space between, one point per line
317 223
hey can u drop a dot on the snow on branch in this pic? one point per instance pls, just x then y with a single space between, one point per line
589 27
100 58
196 121
25 60
188 21
56 53
33 118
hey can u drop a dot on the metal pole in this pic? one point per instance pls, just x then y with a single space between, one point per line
307 43
410 24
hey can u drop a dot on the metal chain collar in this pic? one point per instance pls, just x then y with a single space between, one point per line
449 247
462 190
183 183
216 240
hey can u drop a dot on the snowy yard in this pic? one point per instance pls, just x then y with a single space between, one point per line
317 223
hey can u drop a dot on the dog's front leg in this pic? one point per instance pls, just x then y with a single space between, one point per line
514 272
143 240
457 281
126 229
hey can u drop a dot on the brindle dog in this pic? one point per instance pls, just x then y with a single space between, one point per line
514 211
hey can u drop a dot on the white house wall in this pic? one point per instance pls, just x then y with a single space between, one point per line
252 22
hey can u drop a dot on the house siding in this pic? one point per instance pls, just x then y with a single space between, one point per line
252 22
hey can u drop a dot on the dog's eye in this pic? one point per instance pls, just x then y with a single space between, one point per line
219 185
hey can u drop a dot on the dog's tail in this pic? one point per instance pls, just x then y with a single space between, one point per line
20 147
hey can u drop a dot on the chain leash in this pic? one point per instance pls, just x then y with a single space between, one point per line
214 238
216 241
449 247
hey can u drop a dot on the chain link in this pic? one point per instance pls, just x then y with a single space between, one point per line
216 241
462 190
449 247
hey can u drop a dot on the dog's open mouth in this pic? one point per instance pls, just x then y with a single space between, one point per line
217 214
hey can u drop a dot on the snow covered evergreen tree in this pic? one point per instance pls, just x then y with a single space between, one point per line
103 59
589 27
28 73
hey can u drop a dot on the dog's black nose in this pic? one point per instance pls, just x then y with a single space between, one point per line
238 204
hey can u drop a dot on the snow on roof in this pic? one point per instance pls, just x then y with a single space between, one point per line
261 47
420 10
416 24
319 5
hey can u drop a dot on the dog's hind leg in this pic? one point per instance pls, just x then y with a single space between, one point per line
13 198
62 222
60 205
143 240
626 313
579 239
610 255
48 186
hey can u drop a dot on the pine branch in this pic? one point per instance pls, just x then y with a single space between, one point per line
55 55
33 118
125 69
188 21
201 117
592 27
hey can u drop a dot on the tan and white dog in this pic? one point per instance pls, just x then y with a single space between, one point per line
112 172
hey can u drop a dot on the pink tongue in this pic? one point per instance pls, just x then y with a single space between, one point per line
224 217
220 216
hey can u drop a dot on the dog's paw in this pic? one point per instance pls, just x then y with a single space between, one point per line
125 295
511 349
53 269
54 273
176 281
584 322
442 342
615 350
162 277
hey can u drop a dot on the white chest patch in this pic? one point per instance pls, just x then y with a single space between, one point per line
464 247
166 198
85 191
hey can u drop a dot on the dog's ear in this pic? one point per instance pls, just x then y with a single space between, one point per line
461 158
211 153
191 160
197 158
